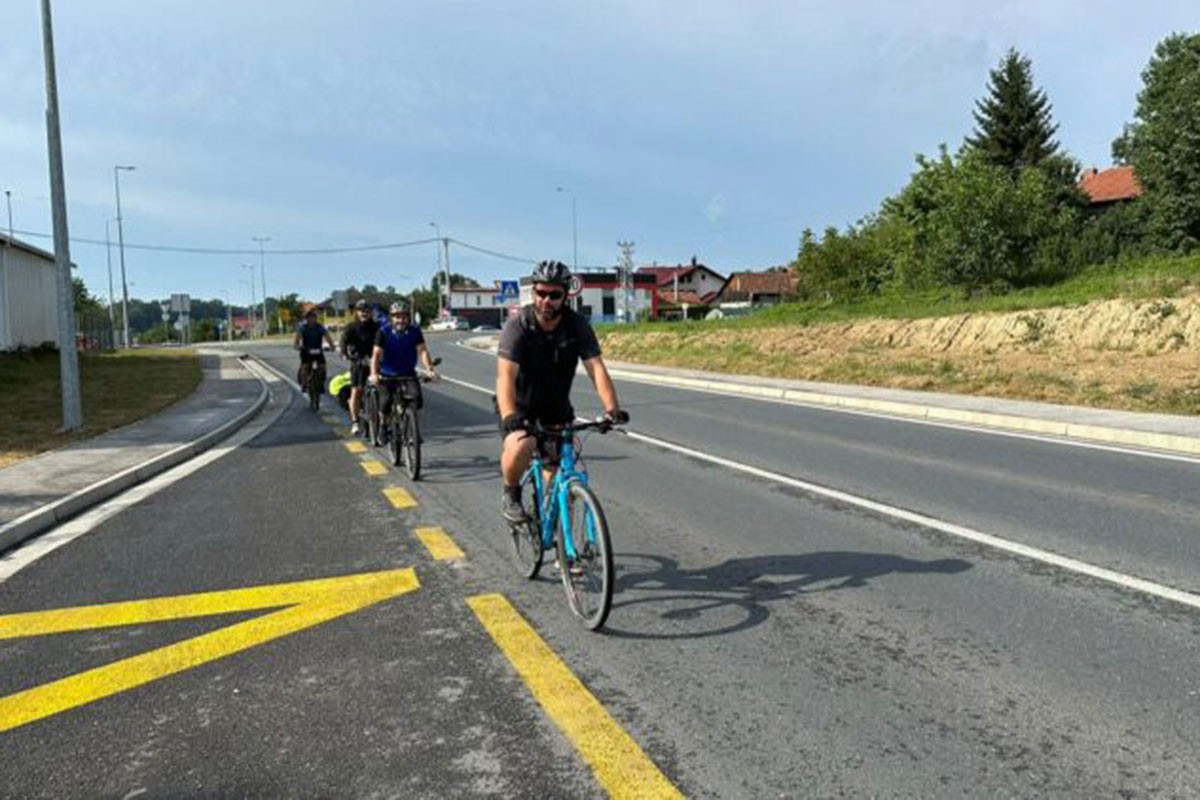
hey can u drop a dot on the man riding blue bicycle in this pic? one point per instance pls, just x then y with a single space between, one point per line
539 351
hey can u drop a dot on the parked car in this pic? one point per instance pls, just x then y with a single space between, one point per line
450 324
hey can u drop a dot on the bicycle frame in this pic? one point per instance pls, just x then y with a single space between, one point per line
552 506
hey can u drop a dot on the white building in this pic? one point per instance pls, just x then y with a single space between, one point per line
599 297
28 290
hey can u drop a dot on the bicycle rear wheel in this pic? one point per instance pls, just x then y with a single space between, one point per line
374 424
588 579
316 384
527 535
412 445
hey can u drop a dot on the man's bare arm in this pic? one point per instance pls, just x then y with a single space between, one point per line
603 382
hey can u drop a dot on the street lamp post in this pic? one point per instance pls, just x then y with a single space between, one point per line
112 304
262 268
121 249
574 231
253 301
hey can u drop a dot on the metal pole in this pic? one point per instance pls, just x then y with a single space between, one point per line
112 305
6 334
68 358
253 302
121 250
262 266
446 261
443 293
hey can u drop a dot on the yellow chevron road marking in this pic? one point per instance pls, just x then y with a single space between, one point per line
355 447
373 467
307 603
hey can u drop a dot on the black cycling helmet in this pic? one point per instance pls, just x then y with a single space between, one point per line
551 272
362 305
399 308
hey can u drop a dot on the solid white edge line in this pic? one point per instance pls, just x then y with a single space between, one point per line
962 532
65 533
655 380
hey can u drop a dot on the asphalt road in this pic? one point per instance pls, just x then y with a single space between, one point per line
765 640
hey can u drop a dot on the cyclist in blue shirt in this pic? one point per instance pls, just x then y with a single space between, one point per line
398 348
308 340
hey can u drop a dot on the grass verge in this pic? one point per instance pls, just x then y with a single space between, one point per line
117 389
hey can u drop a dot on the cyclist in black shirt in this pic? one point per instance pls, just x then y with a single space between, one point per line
308 339
358 342
539 351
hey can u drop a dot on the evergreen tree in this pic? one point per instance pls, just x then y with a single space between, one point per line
1014 125
1163 143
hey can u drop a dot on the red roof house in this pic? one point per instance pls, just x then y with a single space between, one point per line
1112 185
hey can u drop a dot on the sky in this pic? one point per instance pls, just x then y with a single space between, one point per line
529 130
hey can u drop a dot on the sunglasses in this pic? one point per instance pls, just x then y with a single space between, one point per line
553 294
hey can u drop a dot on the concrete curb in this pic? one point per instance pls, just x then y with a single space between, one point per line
39 520
1084 432
1175 443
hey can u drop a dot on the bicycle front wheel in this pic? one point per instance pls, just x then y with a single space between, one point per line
412 445
396 437
588 577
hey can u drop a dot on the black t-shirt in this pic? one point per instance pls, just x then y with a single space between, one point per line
358 338
547 361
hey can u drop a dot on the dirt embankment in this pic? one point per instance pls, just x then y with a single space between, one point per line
1142 355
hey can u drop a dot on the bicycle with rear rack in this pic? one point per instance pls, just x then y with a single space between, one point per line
567 516
401 426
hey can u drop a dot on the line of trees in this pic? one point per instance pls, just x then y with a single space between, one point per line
1004 211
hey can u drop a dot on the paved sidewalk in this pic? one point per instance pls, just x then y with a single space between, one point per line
39 492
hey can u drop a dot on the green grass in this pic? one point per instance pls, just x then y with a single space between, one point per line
117 389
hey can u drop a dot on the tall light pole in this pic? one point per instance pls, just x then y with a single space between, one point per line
262 268
574 231
6 333
253 323
121 249
112 304
68 358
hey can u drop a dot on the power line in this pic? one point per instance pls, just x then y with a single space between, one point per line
163 248
493 253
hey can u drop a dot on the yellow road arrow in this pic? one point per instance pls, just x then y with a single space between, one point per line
302 605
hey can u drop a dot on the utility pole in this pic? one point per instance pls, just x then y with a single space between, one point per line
6 333
68 358
121 247
625 279
253 302
446 261
574 231
263 270
112 305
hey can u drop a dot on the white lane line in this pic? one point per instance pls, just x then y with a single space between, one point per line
962 532
85 523
1008 433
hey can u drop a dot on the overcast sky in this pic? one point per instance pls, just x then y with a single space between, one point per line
711 129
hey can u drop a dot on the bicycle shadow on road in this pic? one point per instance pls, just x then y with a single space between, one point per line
735 594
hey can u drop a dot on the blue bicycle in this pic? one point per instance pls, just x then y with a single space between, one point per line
567 517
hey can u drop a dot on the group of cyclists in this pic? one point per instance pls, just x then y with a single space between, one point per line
539 350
